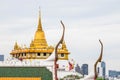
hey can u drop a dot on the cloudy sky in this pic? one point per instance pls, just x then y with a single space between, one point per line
86 22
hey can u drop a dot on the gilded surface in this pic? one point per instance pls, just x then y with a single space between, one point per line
19 78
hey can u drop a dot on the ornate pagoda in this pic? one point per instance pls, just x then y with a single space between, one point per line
39 48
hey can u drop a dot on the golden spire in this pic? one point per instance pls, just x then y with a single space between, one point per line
16 46
39 38
39 22
64 45
32 44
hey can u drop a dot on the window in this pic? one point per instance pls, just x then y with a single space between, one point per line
24 54
49 54
62 55
44 54
38 54
18 55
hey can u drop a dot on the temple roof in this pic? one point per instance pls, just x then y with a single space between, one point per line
38 45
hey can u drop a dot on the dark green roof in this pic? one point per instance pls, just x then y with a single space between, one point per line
42 72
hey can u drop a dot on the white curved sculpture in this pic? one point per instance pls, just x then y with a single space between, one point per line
51 57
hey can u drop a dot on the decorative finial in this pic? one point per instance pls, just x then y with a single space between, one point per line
16 46
39 21
63 45
56 53
39 12
98 60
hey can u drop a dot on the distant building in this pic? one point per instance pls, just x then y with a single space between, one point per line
98 70
114 74
101 69
77 69
85 69
103 66
1 57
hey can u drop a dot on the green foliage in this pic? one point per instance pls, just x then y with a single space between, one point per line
42 72
71 76
100 79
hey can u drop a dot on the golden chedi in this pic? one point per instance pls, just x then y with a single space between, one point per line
39 48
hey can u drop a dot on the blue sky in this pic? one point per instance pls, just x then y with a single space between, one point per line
86 22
